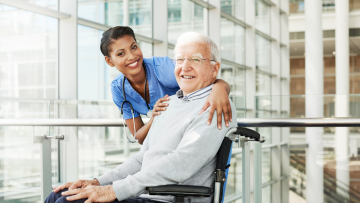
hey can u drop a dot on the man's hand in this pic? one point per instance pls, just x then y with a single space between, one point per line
92 193
218 100
77 184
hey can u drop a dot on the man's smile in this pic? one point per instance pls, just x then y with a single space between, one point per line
187 76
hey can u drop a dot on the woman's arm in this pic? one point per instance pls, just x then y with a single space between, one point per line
219 100
141 128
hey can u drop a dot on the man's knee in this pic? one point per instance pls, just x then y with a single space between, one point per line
54 196
64 200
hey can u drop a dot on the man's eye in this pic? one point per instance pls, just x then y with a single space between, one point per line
195 59
179 59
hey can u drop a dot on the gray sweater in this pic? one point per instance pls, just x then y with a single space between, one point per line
180 148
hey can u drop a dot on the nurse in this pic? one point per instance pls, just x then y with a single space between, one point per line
147 82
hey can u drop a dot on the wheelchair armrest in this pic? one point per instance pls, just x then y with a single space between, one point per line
248 133
181 190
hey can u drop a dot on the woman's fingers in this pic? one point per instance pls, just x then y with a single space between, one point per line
159 106
206 105
211 114
226 117
219 117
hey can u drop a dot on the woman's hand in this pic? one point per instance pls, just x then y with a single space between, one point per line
92 193
76 184
219 100
160 106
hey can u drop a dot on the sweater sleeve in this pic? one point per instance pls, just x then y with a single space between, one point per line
198 146
129 167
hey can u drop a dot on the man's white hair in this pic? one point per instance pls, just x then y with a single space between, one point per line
194 37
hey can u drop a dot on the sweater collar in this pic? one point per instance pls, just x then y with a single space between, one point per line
198 94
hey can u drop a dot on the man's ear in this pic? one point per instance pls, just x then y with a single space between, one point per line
216 69
108 61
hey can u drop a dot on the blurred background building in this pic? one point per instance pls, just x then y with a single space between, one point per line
51 67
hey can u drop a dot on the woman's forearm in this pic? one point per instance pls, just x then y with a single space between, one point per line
222 83
141 128
142 132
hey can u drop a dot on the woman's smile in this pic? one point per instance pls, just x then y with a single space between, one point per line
133 64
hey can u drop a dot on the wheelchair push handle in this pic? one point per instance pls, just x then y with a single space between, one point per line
255 136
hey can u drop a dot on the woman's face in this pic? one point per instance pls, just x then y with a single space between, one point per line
126 56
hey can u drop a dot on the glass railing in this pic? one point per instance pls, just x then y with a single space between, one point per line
339 177
100 147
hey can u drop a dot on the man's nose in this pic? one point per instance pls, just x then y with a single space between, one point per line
186 66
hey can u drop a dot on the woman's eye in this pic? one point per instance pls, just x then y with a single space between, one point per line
120 54
135 47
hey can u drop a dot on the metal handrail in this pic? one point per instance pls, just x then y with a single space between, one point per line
245 122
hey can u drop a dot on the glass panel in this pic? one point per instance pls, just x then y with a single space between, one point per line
234 7
93 84
262 16
184 16
140 18
28 54
266 165
52 4
263 85
235 77
20 172
234 182
232 41
266 194
112 14
96 10
263 54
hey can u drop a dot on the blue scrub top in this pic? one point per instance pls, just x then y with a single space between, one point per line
161 80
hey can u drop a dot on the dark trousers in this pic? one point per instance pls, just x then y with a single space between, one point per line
58 198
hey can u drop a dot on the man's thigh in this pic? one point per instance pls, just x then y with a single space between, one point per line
58 198
130 200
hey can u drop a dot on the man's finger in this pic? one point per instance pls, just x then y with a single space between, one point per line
88 201
71 192
219 117
61 187
75 185
81 195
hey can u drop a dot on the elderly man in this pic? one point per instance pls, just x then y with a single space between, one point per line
179 148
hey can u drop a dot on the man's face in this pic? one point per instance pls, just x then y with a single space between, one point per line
191 76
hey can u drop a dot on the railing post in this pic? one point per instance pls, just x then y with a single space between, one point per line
46 175
258 173
245 170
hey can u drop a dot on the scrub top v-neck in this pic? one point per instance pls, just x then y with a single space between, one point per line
161 80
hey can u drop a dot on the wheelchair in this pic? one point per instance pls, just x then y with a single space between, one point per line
221 171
